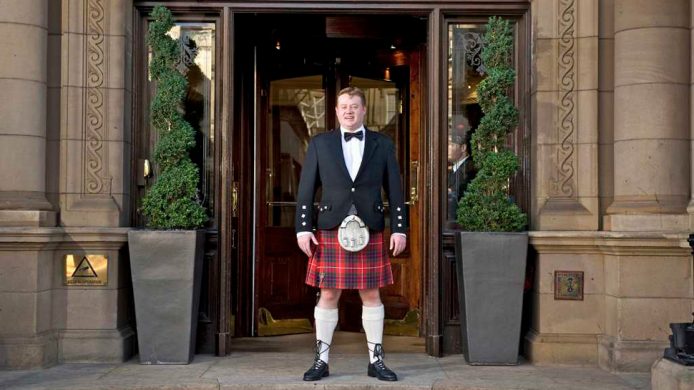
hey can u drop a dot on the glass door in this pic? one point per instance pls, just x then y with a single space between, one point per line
298 83
296 111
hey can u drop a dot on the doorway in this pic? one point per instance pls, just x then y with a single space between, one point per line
290 68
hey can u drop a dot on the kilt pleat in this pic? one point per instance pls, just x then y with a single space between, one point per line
330 266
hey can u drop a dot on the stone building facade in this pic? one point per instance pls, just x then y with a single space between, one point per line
610 157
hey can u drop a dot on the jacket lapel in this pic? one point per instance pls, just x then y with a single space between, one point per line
369 148
336 145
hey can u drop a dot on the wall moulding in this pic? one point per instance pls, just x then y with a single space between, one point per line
611 243
62 238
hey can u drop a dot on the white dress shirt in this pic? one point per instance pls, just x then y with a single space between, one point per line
457 165
353 151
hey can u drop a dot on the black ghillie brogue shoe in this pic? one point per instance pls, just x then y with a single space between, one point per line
319 369
378 369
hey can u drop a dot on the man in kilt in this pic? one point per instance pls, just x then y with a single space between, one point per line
351 165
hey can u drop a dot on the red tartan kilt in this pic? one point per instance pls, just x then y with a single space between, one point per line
333 267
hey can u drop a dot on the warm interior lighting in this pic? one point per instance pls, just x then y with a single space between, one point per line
386 75
277 45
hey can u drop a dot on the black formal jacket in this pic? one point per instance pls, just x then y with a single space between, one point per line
324 166
457 184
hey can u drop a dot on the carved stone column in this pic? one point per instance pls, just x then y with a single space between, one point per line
606 104
651 116
24 28
94 176
647 280
565 115
565 174
95 133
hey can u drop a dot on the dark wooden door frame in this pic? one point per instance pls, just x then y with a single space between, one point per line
432 138
437 173
217 236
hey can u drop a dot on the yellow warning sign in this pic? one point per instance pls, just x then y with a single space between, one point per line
86 270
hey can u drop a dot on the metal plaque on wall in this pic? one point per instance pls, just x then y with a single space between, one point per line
86 270
568 285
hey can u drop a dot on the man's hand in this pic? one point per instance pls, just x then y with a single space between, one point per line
304 242
397 243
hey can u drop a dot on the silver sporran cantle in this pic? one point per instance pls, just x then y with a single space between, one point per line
353 235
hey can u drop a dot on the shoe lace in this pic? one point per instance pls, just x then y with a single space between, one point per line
380 365
319 350
378 352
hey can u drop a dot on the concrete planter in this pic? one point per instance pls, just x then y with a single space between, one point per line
491 273
166 271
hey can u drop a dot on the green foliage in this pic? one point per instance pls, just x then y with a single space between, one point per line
486 205
172 202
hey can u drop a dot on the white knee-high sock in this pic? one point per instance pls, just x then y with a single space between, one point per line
372 321
326 320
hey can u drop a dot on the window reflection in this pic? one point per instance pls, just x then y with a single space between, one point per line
382 104
465 71
297 114
197 63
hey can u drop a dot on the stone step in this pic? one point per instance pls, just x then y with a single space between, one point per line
284 370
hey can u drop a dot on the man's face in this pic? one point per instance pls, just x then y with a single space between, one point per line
455 151
350 112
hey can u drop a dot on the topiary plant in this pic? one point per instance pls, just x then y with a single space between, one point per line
172 202
486 205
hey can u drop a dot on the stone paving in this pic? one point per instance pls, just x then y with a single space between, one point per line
259 365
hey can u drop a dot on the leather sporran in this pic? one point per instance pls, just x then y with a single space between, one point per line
353 234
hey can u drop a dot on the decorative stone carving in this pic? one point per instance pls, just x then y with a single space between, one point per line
563 184
189 50
474 43
94 180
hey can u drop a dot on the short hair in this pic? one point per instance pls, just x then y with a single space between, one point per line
351 92
462 139
457 139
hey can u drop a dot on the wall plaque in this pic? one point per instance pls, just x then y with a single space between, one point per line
86 270
568 285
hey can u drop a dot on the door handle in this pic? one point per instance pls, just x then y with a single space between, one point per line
414 181
268 184
234 198
146 169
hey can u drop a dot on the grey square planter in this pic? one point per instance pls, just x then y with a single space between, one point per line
491 273
166 269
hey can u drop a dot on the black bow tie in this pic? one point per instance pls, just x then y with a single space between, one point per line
358 135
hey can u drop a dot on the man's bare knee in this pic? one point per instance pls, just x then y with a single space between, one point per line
370 297
329 298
